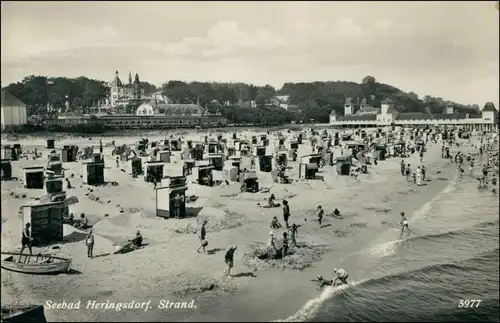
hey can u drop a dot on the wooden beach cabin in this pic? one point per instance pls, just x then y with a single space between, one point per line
46 221
216 160
136 165
266 163
281 158
10 152
6 169
54 185
68 154
249 182
202 175
213 147
260 151
164 156
50 144
187 168
311 159
34 177
343 165
171 197
308 171
93 173
293 144
153 170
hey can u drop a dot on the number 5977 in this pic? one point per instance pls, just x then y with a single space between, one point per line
469 303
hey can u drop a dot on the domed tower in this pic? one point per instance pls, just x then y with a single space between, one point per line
348 107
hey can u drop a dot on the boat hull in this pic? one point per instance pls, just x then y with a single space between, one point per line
59 265
23 313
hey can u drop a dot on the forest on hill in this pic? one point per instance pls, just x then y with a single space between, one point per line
239 102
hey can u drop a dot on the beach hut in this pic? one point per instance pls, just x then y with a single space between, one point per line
164 156
187 167
249 182
254 140
202 175
6 169
136 165
46 221
197 151
292 154
266 163
98 158
54 185
68 154
293 144
237 144
10 152
175 145
93 173
213 148
311 159
328 157
231 151
260 151
171 197
55 166
231 173
34 177
281 158
50 144
343 165
153 170
308 171
216 160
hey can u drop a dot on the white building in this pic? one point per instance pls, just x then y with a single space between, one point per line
121 93
14 112
388 115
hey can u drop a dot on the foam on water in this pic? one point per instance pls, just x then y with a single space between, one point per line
312 306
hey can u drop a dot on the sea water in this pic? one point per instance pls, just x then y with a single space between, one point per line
452 254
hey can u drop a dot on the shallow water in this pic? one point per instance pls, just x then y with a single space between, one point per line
451 255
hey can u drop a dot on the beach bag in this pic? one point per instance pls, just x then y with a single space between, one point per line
204 243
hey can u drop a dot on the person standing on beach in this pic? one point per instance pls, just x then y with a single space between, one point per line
404 224
26 239
89 241
294 231
402 167
320 213
423 172
418 173
202 236
229 259
286 213
284 245
408 172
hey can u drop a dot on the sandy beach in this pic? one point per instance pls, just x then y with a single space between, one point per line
169 268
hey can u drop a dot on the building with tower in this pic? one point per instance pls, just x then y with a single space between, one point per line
124 94
363 115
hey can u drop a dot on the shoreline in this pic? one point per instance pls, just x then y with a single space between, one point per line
158 271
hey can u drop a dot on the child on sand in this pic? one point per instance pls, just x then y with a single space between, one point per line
294 231
203 233
229 259
404 224
320 213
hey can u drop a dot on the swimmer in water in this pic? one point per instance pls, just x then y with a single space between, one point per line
341 275
404 224
322 282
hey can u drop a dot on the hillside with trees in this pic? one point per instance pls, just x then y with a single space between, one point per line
238 102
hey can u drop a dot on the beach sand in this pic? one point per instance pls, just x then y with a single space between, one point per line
169 268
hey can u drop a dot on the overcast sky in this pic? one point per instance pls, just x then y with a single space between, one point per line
446 49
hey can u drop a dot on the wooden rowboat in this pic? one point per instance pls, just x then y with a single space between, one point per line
23 313
34 264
